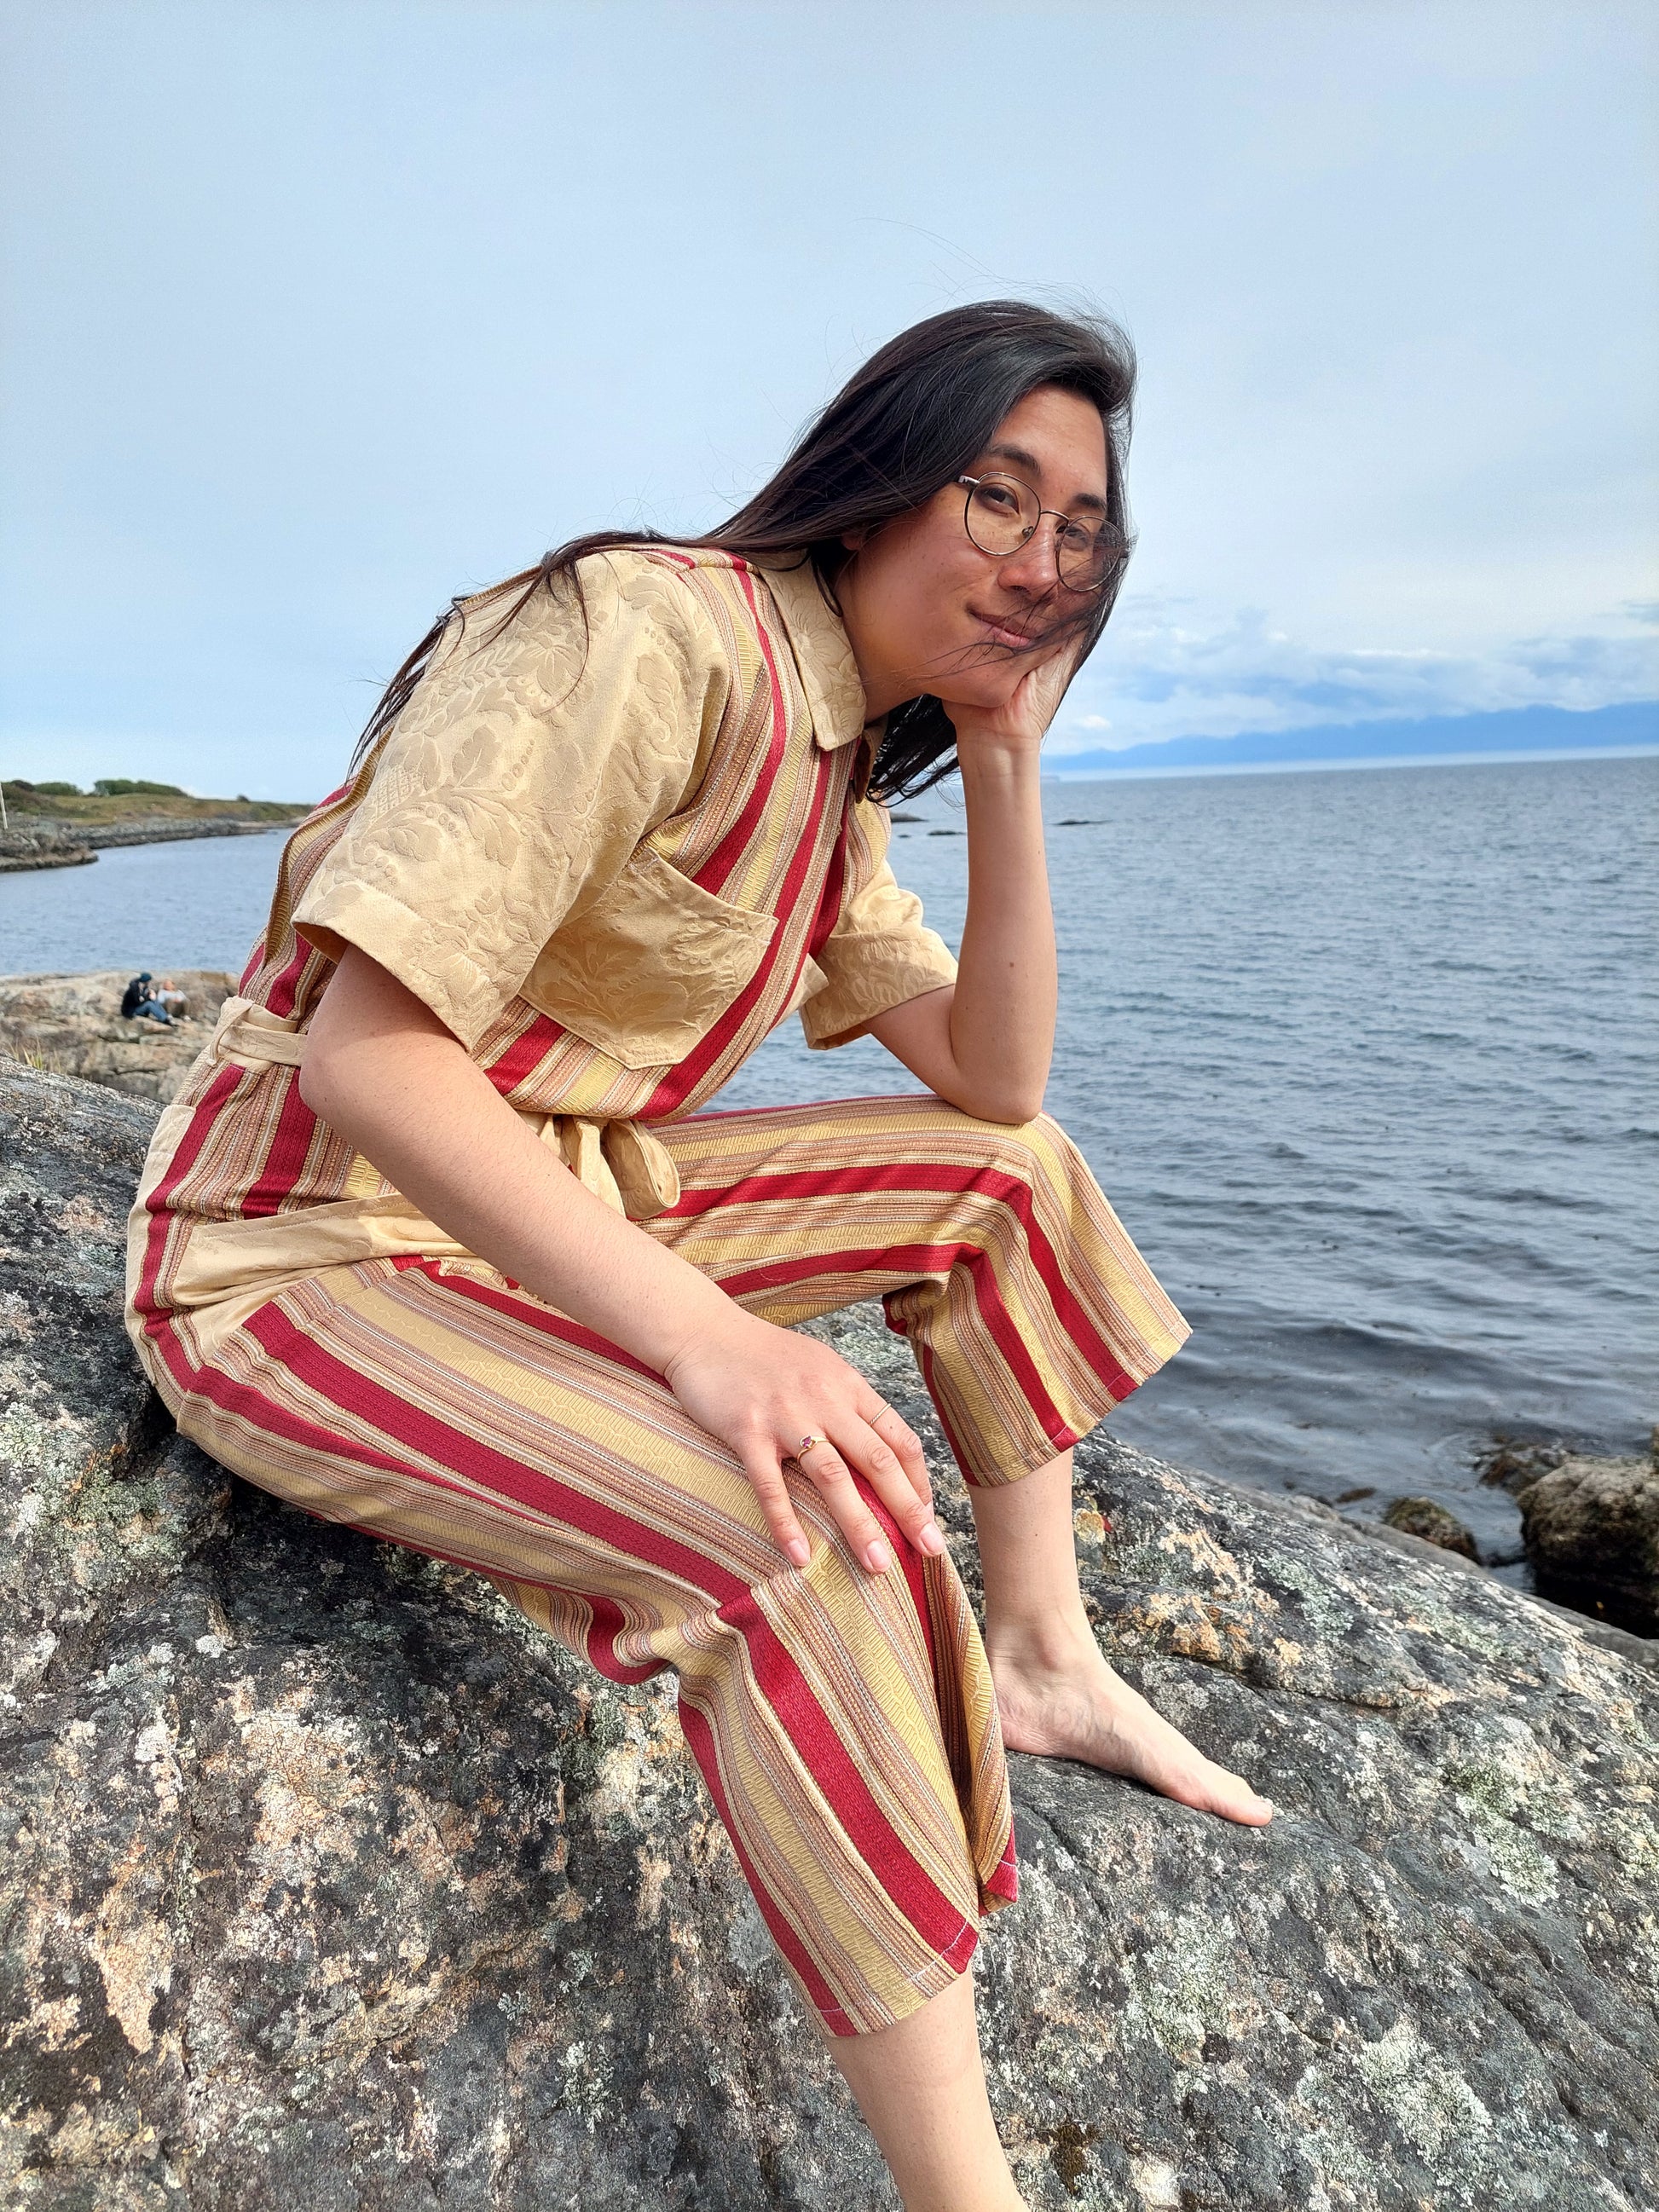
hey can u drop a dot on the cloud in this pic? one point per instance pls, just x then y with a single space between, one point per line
1166 674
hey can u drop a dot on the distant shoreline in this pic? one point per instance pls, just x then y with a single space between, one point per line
100 835
1093 771
54 829
43 846
1533 733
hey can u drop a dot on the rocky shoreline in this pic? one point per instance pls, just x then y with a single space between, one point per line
72 844
330 1882
30 853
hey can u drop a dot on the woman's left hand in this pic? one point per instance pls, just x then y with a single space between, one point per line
1021 722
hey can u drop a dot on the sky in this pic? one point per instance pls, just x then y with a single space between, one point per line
320 313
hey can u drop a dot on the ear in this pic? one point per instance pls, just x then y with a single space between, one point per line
856 540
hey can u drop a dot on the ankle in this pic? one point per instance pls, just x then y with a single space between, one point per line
1051 1640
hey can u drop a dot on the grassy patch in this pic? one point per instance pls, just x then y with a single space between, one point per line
32 805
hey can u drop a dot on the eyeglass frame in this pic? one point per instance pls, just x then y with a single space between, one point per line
1007 477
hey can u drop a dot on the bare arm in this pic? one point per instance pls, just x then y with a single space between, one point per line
985 1043
382 1069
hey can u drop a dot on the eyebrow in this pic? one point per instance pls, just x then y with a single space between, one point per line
1023 459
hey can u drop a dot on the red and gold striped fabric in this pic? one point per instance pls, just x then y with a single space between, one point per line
845 1724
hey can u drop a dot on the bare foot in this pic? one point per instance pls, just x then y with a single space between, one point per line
1065 1702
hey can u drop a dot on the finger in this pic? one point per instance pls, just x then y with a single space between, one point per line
885 1472
766 1479
894 1432
829 1475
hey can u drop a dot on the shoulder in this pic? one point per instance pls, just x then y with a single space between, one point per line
722 611
654 583
722 597
710 604
536 643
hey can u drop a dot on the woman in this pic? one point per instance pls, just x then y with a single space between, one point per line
436 1241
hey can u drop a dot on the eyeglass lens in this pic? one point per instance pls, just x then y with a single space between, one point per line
1002 512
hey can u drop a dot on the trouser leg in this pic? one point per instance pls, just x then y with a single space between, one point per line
843 1723
846 1723
1029 1310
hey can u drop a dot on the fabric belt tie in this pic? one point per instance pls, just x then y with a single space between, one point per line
620 1162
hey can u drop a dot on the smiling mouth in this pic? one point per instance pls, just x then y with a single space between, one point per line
1002 633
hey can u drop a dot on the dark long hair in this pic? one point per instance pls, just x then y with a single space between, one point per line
914 418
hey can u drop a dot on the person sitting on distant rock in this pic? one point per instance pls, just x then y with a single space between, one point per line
440 1241
140 1003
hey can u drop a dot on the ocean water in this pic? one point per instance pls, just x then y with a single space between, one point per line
1366 1062
194 902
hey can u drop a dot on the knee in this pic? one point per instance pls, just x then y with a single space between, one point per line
1038 1154
1054 1152
861 1628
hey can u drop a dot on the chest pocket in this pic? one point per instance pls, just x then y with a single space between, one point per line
649 967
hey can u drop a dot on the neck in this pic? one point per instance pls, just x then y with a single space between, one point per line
884 689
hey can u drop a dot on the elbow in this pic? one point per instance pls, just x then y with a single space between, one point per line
1010 1106
1016 1112
317 1089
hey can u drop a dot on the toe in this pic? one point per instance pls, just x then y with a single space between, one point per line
1239 1802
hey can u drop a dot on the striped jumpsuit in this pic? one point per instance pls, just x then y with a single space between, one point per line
612 853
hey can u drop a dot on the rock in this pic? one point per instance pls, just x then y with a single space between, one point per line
72 1025
170 829
1511 1464
329 1883
22 849
1591 1528
1421 1517
35 836
1602 1633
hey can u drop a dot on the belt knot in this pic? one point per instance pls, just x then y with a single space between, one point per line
620 1162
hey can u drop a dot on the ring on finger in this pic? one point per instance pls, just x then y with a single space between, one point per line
807 1443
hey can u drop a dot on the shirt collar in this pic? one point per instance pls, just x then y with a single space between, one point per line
823 653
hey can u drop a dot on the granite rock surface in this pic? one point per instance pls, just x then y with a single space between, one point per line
328 1882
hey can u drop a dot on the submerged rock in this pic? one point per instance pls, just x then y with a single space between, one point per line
1422 1516
72 1025
1591 1528
1511 1463
329 1883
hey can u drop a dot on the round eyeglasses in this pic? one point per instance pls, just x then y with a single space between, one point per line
1001 514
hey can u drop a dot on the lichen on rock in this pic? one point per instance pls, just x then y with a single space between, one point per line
330 1882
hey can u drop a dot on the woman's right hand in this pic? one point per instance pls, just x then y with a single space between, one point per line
760 1389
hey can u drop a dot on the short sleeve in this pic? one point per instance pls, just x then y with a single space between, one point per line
517 780
879 953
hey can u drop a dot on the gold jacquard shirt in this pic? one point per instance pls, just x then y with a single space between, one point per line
610 855
552 820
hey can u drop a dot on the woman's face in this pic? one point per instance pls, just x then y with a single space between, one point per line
926 610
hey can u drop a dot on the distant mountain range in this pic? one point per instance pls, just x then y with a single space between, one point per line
1518 730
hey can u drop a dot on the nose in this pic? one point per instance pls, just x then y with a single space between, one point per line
1035 567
